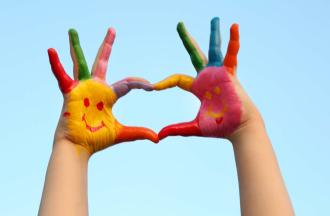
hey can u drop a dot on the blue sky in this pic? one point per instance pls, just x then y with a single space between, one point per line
283 65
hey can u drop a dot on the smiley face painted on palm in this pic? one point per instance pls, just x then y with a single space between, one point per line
220 107
89 114
88 99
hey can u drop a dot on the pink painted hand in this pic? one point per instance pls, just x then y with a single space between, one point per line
225 107
87 118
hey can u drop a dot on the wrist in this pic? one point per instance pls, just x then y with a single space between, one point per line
66 148
252 127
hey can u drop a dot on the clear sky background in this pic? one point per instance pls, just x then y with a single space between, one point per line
283 65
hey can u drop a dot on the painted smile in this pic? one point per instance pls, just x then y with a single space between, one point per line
218 116
90 128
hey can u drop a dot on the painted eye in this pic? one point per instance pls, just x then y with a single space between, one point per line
86 102
100 106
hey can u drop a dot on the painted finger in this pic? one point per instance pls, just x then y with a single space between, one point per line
197 57
215 55
122 87
126 134
182 81
80 68
181 129
64 80
101 62
233 48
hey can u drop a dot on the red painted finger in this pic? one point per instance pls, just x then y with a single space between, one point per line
126 134
181 129
64 81
233 47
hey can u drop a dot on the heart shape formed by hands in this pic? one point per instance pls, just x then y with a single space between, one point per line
87 118
215 86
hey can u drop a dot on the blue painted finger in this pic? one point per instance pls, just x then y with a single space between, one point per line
215 55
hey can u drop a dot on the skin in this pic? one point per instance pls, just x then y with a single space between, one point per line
262 189
227 112
65 189
86 126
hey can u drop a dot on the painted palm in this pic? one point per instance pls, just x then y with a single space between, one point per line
215 86
87 117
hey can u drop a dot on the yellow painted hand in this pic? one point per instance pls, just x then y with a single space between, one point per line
87 118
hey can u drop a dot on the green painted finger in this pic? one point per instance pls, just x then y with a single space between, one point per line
196 55
80 66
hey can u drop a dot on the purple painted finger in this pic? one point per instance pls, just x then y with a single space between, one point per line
122 87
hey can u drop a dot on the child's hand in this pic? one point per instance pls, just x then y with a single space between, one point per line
86 117
225 107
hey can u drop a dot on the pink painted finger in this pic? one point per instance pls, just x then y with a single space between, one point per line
64 81
181 129
101 62
233 48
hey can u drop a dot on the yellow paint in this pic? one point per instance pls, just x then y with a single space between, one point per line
215 115
208 95
217 90
183 81
80 149
78 132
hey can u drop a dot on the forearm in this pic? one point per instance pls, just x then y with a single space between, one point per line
65 189
262 189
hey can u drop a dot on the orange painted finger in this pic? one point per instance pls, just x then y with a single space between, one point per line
126 134
233 47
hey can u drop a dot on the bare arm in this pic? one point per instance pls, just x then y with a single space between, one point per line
262 189
65 189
